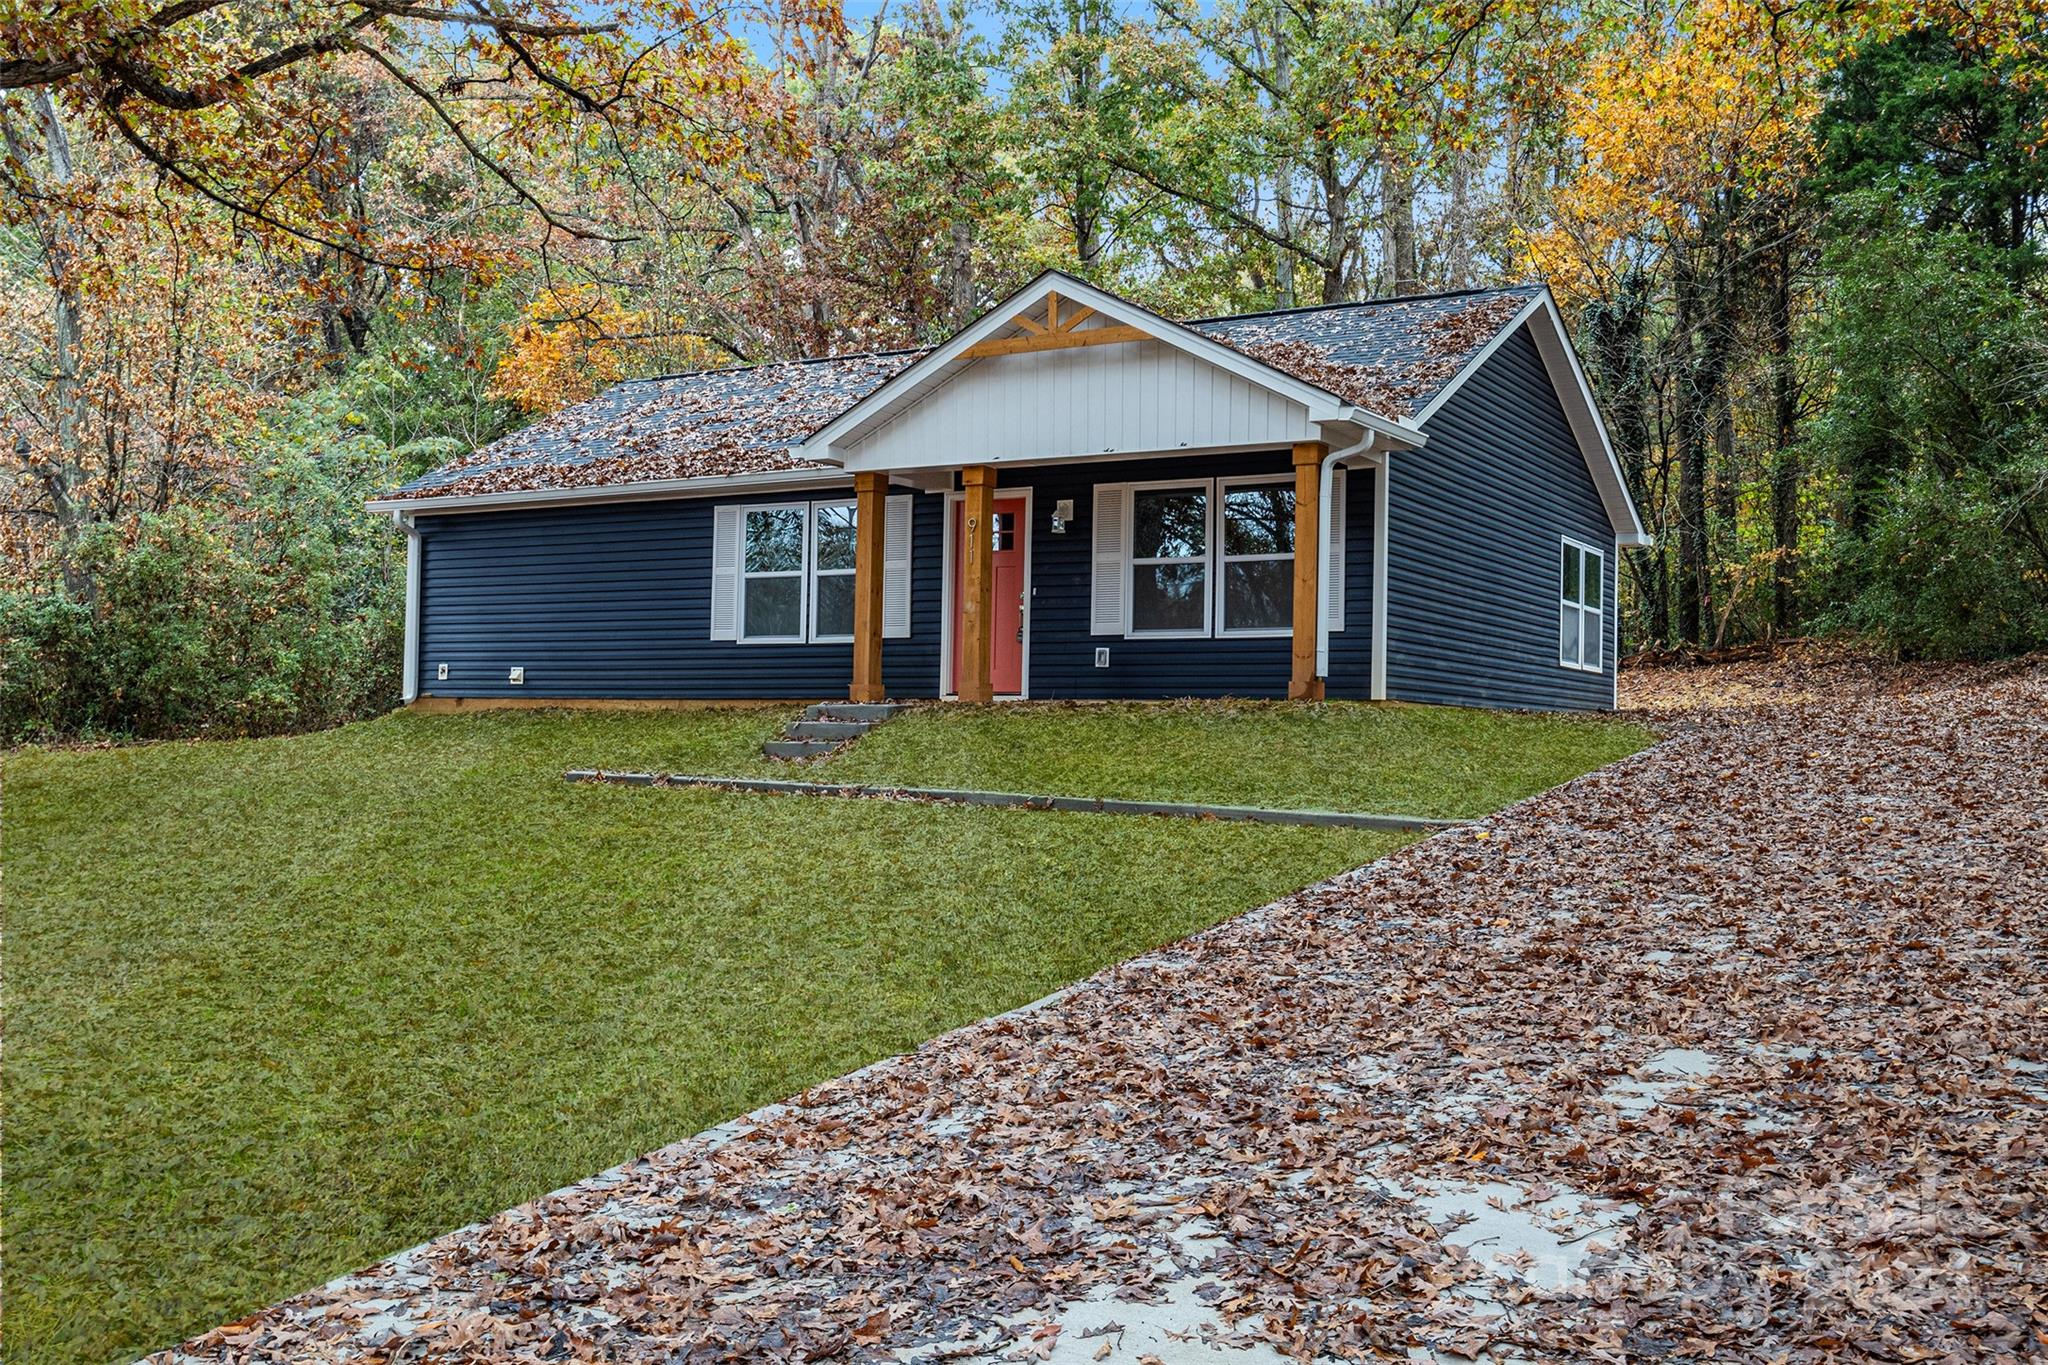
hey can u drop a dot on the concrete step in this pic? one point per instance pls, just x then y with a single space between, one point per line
798 748
871 712
834 730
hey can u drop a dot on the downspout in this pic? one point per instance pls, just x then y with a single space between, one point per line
1380 558
1326 477
409 687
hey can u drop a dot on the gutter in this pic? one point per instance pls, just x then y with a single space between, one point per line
774 481
1326 476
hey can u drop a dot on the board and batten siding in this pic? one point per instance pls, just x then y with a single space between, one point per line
1476 519
614 601
1063 645
1090 400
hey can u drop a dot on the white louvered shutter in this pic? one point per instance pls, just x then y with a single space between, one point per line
1109 607
896 567
1333 559
725 572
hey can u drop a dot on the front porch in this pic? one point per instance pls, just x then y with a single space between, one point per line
1181 490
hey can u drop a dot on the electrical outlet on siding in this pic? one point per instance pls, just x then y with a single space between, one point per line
1102 656
518 677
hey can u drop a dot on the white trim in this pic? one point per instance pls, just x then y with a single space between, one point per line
812 573
1380 521
807 574
855 421
409 680
1599 664
1223 558
776 481
1581 410
801 574
1206 559
947 692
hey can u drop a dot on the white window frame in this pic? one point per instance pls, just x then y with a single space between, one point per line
1224 558
812 572
807 575
1207 559
1596 617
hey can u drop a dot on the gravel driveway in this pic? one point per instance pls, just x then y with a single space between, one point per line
1736 1049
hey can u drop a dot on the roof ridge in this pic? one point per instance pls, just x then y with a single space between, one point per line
1367 303
765 364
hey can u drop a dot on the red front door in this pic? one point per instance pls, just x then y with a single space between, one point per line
1006 670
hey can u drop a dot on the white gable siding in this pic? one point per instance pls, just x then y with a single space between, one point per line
1126 398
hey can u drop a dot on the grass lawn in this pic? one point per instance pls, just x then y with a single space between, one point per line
277 1008
1440 761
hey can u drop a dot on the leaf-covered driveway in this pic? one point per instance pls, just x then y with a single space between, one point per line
1736 1049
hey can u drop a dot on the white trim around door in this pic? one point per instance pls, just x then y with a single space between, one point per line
946 613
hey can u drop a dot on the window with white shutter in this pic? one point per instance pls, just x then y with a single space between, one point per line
896 567
1108 600
725 572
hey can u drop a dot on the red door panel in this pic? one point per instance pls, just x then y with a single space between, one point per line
1007 619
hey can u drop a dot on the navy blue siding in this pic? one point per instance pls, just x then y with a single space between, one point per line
1063 650
615 600
1475 522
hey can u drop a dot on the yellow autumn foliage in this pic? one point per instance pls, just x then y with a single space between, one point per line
1670 122
576 341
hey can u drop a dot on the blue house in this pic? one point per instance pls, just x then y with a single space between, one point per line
1409 498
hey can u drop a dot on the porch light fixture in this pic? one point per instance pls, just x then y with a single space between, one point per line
1062 515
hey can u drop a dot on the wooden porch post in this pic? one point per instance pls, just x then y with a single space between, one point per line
977 586
1304 685
870 492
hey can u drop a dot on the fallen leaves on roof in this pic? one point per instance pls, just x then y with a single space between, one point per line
720 423
1746 1037
1448 340
713 424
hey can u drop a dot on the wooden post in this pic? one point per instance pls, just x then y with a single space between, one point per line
977 586
870 491
1304 685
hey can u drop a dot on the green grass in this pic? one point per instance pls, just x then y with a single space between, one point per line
277 1008
1439 761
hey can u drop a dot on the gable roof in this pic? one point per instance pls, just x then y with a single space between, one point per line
1380 359
1012 323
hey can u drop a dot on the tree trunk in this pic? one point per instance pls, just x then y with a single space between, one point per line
1284 265
1397 222
960 273
58 471
1693 425
1337 207
1458 259
1786 474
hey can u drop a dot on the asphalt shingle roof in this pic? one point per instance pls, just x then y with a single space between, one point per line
1388 355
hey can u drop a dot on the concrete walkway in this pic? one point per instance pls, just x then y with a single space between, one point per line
1736 1049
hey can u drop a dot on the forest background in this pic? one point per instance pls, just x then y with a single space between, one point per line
260 259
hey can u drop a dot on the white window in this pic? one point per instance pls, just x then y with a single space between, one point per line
772 572
1170 559
832 554
784 572
1198 558
796 572
1581 621
1258 556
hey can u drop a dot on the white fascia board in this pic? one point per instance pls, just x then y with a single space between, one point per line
1575 396
773 482
1322 405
